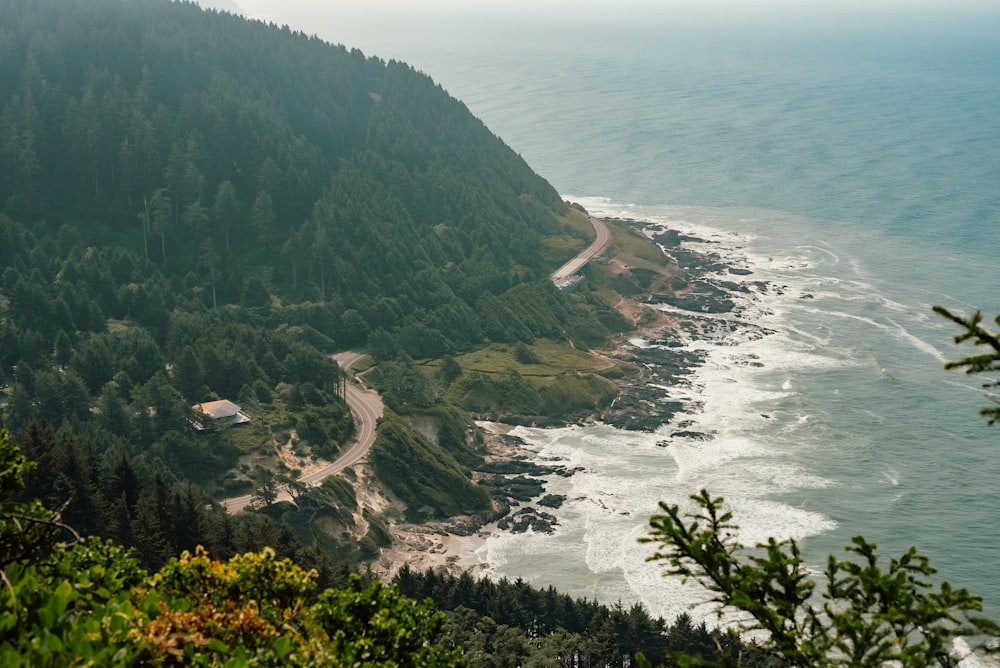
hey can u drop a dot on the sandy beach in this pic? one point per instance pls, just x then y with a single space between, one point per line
424 547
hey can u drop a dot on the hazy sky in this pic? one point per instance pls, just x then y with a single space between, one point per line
329 18
390 28
528 8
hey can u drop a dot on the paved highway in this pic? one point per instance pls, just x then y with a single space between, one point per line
574 265
367 408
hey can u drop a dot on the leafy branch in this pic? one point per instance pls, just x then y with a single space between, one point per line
866 615
27 530
983 363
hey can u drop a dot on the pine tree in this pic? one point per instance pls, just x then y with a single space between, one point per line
987 362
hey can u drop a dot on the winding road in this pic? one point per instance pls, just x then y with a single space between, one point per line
367 408
562 275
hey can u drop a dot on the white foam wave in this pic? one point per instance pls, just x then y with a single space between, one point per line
694 458
595 552
815 338
761 519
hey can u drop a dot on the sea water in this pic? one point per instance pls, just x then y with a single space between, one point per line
851 164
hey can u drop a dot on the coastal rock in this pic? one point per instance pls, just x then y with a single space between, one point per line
641 405
693 435
701 297
552 500
522 467
518 488
528 518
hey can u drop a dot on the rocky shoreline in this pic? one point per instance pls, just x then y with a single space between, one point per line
511 478
704 309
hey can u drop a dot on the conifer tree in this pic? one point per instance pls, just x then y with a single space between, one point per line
986 362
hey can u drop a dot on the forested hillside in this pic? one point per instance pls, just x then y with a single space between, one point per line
236 163
196 206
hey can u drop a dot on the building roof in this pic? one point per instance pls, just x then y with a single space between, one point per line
217 409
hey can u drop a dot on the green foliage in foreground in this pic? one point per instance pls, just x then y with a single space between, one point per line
870 614
982 363
92 604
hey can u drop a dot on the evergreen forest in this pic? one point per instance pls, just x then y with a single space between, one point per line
198 207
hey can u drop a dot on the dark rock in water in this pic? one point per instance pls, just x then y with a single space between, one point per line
662 444
734 287
739 271
806 295
694 435
669 238
468 527
672 238
750 360
510 466
641 410
528 518
641 405
523 467
519 488
703 298
552 500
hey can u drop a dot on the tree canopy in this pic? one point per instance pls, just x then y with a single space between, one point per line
198 206
232 162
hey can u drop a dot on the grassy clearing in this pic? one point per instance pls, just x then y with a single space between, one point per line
559 250
265 420
546 378
634 249
249 437
554 358
579 222
362 365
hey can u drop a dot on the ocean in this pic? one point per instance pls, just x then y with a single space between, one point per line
850 162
